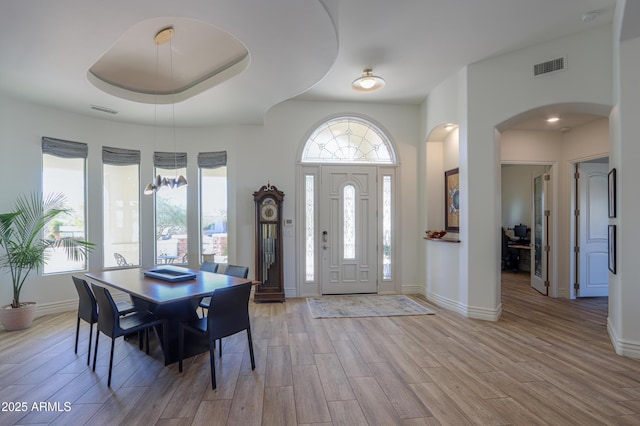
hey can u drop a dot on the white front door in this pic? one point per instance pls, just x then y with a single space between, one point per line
594 273
540 247
348 229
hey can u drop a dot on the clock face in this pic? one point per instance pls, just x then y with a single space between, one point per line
269 210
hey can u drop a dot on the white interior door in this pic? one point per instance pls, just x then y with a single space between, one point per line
348 227
594 273
540 248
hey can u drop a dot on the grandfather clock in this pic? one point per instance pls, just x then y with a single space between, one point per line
268 270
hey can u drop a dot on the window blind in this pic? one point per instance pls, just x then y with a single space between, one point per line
212 160
64 149
170 160
120 156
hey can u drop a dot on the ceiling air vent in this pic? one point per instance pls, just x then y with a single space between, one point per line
548 67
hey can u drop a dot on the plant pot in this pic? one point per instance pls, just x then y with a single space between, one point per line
18 318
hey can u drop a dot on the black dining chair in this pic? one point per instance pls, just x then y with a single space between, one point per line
209 266
114 325
88 310
237 271
231 270
229 314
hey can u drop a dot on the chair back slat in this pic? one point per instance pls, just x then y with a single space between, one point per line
87 308
229 312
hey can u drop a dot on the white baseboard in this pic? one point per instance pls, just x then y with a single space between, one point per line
624 348
446 303
466 310
56 307
72 305
412 289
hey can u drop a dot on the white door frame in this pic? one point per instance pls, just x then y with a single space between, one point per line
573 265
554 287
306 287
542 282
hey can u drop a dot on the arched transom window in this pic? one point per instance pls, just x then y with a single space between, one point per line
348 140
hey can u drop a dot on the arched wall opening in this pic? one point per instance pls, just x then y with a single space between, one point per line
527 144
442 265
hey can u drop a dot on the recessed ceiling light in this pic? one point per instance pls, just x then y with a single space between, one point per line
552 120
368 82
449 127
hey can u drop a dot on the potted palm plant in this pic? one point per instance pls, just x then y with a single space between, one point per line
23 249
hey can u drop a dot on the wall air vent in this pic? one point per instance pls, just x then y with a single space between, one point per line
548 67
103 109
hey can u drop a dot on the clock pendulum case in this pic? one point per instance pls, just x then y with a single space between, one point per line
268 201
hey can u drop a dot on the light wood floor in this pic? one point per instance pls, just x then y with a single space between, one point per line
546 362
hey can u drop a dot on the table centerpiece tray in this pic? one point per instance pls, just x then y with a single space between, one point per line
170 275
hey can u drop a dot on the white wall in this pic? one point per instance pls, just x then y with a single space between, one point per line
256 154
624 291
443 271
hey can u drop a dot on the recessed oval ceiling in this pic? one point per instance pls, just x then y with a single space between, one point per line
197 57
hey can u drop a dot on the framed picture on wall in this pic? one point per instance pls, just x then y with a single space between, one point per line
452 200
612 193
612 248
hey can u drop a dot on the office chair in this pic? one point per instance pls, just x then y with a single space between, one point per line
510 256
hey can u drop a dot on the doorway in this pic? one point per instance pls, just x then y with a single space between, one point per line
591 275
347 209
347 220
527 204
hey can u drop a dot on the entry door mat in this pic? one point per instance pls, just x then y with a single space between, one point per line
364 306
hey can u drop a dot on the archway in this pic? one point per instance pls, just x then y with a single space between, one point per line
528 140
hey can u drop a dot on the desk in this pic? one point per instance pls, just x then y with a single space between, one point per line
173 301
524 255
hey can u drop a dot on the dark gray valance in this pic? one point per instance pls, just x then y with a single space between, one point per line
120 156
212 160
170 160
64 149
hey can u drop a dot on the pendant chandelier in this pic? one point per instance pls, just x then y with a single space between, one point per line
163 36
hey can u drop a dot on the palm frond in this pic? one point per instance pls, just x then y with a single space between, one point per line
24 247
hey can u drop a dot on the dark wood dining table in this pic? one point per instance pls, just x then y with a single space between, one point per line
173 301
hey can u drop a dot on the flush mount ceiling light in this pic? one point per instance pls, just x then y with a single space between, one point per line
164 36
368 82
